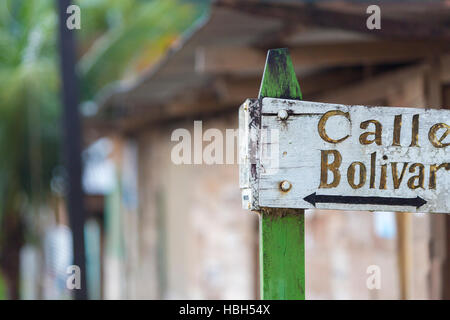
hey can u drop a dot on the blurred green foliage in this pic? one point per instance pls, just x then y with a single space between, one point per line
29 100
118 38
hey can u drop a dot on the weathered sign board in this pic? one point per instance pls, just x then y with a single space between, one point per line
296 155
300 154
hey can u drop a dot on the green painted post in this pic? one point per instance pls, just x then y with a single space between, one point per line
282 231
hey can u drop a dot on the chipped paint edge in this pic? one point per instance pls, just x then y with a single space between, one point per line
249 140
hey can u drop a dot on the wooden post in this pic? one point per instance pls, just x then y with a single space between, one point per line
437 222
404 253
282 231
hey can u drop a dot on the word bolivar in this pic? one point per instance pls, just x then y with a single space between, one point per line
416 175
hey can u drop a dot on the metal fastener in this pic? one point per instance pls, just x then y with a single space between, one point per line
285 185
283 114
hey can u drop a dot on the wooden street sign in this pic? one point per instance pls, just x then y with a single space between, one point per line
329 156
296 155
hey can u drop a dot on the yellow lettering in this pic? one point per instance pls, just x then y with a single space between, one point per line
325 166
351 175
433 169
432 135
396 180
420 177
323 121
363 138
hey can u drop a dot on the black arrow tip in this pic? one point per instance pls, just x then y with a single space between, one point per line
311 199
420 202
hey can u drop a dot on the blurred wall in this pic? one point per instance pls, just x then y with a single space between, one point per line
196 242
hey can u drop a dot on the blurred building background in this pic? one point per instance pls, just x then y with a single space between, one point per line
157 230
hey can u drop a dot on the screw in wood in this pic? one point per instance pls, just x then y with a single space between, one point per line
283 114
285 186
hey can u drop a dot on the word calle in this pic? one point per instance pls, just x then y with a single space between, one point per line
358 174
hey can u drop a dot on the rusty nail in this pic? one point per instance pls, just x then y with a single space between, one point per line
285 185
283 114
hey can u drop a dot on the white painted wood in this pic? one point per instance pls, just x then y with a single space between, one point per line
249 139
291 150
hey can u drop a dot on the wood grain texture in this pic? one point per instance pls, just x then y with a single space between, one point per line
279 80
295 155
282 232
282 254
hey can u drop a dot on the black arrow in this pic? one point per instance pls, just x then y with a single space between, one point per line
417 202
